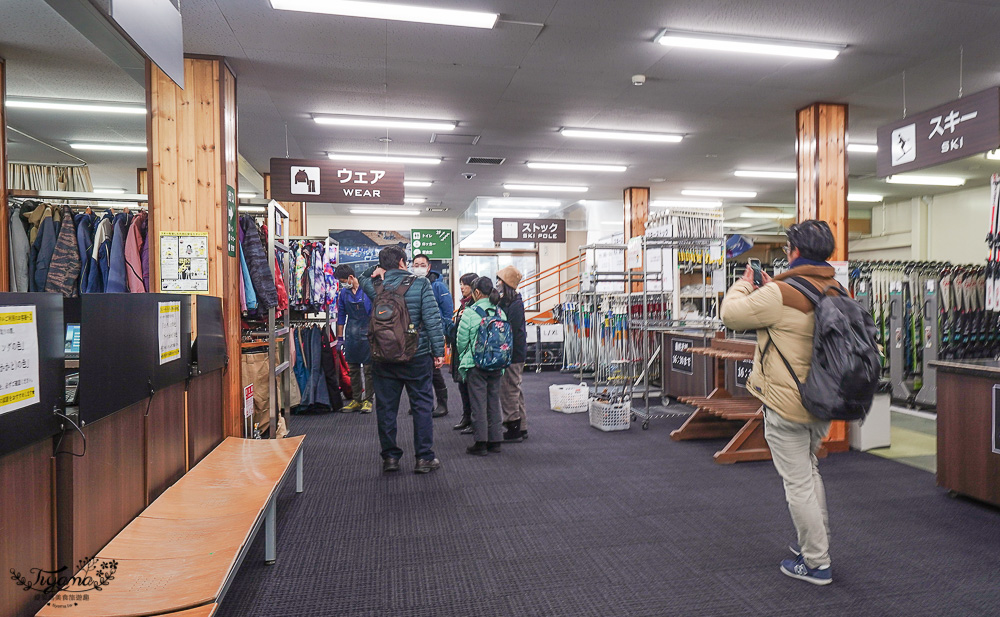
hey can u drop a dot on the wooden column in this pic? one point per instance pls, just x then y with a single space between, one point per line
821 191
5 264
296 210
192 158
636 211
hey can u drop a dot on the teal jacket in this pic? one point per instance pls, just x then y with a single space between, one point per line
468 331
424 313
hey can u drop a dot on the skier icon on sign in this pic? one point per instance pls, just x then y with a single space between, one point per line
904 140
305 181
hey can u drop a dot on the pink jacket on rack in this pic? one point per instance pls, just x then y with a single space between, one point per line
133 253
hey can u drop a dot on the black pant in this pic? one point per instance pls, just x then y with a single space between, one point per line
390 379
440 389
463 389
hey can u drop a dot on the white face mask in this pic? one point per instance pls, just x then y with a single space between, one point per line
420 271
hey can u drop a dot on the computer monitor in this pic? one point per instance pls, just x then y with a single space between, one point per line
72 340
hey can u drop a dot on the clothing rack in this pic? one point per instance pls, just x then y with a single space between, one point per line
78 196
278 374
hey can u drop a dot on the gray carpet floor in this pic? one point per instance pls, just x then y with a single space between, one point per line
576 522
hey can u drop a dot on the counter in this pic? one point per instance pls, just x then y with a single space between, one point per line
968 451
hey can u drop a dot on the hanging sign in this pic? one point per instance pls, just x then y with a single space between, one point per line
435 243
681 360
168 331
248 401
232 235
337 182
184 261
743 370
962 128
18 358
529 230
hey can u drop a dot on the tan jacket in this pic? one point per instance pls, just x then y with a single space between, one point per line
780 312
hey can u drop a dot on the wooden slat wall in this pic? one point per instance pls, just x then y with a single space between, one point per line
26 523
636 211
821 191
5 264
193 156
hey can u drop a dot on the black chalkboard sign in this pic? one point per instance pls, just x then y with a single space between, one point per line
743 370
681 360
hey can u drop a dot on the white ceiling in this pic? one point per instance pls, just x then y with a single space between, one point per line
547 64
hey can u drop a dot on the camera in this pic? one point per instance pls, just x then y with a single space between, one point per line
638 80
468 175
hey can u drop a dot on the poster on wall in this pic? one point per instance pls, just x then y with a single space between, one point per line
19 385
361 248
168 331
184 261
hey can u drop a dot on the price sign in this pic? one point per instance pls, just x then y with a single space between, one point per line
681 359
248 401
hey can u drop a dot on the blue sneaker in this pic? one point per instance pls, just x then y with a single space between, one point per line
797 568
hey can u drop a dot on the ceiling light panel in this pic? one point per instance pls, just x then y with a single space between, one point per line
766 215
522 201
385 123
737 225
246 195
862 148
392 12
718 193
414 200
622 135
925 180
771 175
511 214
749 45
864 197
385 212
546 188
421 184
670 203
75 106
576 167
109 147
376 158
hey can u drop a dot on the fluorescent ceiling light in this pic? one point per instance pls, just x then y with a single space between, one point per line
669 203
546 188
864 197
862 148
767 215
377 158
392 12
749 45
109 147
523 201
414 200
110 191
60 105
510 214
386 123
737 225
621 135
417 183
385 212
926 180
718 193
253 209
993 155
246 195
576 166
773 175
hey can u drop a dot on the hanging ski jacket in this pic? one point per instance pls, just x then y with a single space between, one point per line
43 244
117 279
256 256
245 284
85 245
133 253
64 269
96 276
20 250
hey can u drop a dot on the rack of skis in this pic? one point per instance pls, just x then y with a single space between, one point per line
926 311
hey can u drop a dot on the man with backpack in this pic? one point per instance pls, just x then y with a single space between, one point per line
407 344
794 387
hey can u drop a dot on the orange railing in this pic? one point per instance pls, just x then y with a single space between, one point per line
552 292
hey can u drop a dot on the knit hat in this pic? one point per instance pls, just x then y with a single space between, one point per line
511 276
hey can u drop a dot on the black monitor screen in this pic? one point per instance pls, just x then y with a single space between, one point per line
72 339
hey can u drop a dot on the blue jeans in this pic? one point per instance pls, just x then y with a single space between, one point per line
390 379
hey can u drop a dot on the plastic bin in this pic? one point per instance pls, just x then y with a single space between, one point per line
566 398
611 416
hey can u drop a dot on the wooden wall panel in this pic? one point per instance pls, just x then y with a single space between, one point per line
636 211
205 418
5 264
166 441
26 523
100 493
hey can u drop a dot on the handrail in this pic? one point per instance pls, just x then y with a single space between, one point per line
566 265
556 295
531 299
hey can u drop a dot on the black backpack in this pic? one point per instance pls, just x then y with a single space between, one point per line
845 368
390 331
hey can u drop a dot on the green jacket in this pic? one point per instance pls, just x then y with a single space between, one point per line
468 331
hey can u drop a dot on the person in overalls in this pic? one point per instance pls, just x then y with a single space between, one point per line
354 310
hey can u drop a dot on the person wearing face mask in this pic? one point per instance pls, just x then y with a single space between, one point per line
511 394
465 285
422 267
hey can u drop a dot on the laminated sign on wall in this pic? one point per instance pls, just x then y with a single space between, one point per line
184 261
18 358
169 331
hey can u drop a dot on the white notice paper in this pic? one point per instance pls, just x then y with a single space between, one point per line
169 331
841 273
19 385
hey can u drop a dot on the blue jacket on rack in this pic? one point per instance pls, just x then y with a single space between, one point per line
117 281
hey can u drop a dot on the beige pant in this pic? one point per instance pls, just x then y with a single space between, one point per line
511 395
793 450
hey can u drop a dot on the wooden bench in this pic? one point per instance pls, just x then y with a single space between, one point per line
179 556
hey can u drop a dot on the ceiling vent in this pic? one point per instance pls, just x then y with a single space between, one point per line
449 138
485 160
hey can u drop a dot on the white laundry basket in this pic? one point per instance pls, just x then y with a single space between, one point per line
611 416
568 398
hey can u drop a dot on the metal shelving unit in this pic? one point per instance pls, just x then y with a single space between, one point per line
279 375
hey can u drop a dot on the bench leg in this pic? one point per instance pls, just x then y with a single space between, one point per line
269 534
298 473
